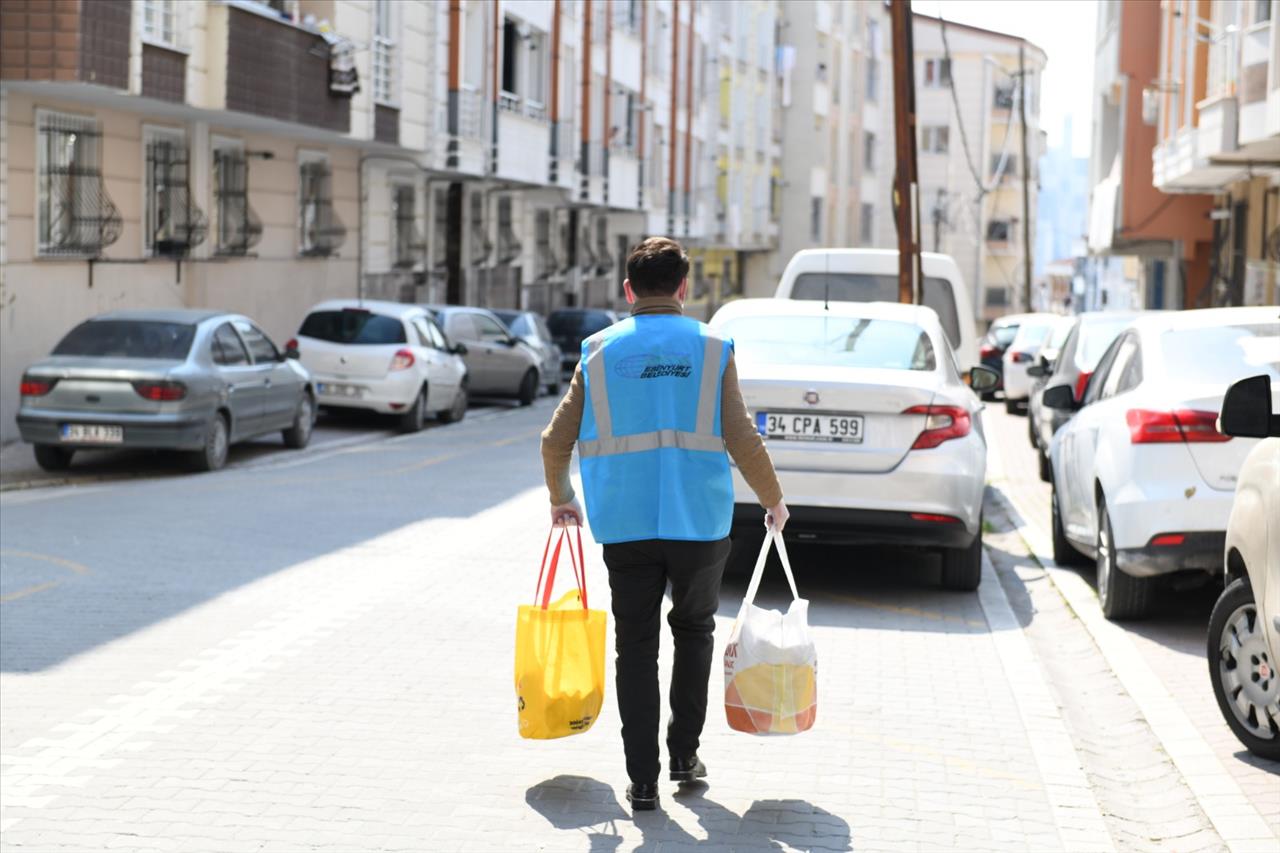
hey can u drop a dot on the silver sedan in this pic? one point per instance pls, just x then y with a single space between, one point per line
177 379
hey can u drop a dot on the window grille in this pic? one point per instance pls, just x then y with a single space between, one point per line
174 224
509 247
587 260
481 245
441 228
409 245
76 217
604 260
238 227
322 232
548 263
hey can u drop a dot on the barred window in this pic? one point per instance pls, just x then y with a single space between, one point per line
604 260
481 245
173 223
548 263
408 243
75 215
321 231
384 47
237 226
440 227
509 247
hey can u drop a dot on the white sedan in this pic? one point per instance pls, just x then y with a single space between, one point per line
1142 478
386 357
873 432
1035 331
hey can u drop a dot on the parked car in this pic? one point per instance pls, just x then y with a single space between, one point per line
532 330
1244 629
1023 352
993 344
384 357
871 275
172 379
875 437
571 326
1142 479
497 362
1087 339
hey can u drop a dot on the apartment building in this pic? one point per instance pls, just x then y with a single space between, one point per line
1214 103
1147 249
971 163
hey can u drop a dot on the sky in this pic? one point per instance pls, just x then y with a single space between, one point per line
1064 29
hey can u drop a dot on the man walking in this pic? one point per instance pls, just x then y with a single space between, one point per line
652 408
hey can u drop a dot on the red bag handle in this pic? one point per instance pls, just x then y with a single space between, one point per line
579 574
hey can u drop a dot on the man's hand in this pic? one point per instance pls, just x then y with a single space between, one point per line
777 516
566 514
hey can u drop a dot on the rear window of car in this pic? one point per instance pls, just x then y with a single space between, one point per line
1221 355
128 339
834 341
1095 337
865 287
1032 334
353 327
1004 334
581 324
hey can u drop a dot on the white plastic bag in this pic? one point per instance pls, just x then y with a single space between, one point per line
770 664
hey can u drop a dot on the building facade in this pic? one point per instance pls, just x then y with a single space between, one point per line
1215 107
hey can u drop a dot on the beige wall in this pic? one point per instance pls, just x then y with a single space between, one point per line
41 298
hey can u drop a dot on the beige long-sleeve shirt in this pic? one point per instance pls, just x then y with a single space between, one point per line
741 438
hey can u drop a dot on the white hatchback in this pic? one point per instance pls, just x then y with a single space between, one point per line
1034 332
387 357
875 436
1142 479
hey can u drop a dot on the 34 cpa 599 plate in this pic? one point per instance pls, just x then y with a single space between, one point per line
807 426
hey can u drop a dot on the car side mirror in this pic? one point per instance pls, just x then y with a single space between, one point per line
458 349
983 378
1060 397
1037 371
511 341
1246 410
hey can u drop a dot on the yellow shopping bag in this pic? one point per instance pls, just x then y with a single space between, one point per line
559 670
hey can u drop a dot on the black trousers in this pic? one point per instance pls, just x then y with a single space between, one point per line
638 576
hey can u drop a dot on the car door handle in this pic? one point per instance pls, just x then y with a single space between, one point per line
266 383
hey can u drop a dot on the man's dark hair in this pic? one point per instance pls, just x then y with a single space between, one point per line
656 267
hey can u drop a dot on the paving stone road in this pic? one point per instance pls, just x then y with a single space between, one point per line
317 656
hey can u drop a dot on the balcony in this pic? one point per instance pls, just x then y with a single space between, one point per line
1185 162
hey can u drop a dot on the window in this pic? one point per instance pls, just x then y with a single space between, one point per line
604 260
160 22
260 346
74 216
832 340
509 247
407 244
1121 364
489 329
481 245
129 339
815 219
228 349
440 226
383 49
548 264
868 151
867 224
873 79
173 224
510 51
1010 163
353 326
320 230
236 226
937 72
868 287
935 140
999 230
1004 96
1261 11
435 337
997 297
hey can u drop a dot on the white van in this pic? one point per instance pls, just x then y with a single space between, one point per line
871 275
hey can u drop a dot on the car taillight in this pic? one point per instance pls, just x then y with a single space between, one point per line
161 392
934 517
942 423
402 360
1167 539
1021 357
1151 427
32 387
987 350
1082 384
292 344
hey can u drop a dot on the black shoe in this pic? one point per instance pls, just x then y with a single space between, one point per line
643 796
687 769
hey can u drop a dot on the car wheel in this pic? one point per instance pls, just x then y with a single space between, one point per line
458 410
298 435
53 458
1046 468
213 455
1245 680
415 416
1064 553
962 567
1031 429
1122 595
528 387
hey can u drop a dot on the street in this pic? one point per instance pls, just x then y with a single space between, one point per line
314 653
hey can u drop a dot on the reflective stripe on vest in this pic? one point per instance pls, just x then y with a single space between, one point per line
606 444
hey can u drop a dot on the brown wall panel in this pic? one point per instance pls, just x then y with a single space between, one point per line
164 73
39 39
386 124
104 41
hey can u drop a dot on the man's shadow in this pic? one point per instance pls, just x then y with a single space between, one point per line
591 807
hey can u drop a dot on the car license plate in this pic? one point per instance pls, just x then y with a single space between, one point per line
92 434
808 426
337 389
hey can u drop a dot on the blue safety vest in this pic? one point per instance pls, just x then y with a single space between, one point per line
653 459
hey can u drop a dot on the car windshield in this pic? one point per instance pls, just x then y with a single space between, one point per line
128 339
866 287
1220 355
353 326
1032 334
1095 337
835 341
1005 334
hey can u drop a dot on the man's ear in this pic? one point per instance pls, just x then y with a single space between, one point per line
682 292
630 294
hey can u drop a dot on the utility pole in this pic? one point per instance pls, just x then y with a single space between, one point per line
1026 180
905 178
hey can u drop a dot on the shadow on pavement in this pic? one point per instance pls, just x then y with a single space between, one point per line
589 806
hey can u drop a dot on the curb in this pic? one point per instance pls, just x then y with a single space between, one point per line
1233 817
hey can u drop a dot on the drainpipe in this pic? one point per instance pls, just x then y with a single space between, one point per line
585 134
455 42
553 172
671 135
688 114
644 73
497 65
608 93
